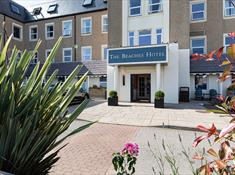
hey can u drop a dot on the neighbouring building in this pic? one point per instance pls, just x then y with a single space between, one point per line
83 24
151 41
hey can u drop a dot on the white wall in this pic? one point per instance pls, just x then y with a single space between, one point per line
184 68
145 21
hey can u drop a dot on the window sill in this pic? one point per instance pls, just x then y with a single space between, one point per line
67 36
229 17
155 12
50 38
135 15
198 21
86 34
17 39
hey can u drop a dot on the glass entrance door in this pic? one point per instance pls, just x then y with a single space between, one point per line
140 87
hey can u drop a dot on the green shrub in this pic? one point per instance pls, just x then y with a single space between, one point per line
159 95
32 116
113 94
231 87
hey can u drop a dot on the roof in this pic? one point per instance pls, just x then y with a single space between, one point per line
5 9
64 8
96 67
203 66
65 69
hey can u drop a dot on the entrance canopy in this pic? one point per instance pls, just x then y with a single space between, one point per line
138 55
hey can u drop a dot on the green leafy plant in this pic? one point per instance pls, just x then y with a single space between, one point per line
124 161
32 116
113 94
159 95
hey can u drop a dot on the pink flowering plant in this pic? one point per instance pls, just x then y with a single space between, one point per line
124 161
219 161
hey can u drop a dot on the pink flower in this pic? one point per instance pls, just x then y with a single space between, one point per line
130 148
227 130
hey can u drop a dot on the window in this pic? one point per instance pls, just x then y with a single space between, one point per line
33 33
104 52
155 6
17 31
86 53
18 56
198 11
229 9
145 37
104 23
35 58
15 9
52 8
135 7
87 2
227 41
67 28
48 51
159 36
131 39
201 82
49 30
86 26
37 11
67 54
198 45
103 81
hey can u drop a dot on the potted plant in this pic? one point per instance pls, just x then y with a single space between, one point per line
113 98
159 99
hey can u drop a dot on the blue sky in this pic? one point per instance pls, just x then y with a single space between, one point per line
32 2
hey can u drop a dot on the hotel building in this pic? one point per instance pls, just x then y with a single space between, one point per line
150 43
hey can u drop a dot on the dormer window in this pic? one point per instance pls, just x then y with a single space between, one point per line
87 2
52 8
15 9
37 11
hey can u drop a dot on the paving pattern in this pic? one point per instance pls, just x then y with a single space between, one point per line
90 152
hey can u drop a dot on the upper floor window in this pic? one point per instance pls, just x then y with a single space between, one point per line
67 28
155 6
86 26
229 9
17 31
33 33
144 37
131 38
104 50
198 45
104 23
198 11
35 58
49 30
86 53
159 36
135 7
67 54
227 41
15 9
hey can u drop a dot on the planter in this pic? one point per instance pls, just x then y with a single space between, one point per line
159 103
113 101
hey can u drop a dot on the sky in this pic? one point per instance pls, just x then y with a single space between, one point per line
35 2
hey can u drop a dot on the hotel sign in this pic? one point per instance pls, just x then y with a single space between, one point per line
138 55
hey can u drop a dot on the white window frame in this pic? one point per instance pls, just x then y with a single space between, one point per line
83 19
21 31
205 11
35 58
130 8
129 44
30 33
49 24
46 51
103 46
198 37
63 22
71 57
157 34
224 10
85 47
224 44
207 81
151 35
103 24
152 4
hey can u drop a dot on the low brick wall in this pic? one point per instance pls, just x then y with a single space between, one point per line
97 92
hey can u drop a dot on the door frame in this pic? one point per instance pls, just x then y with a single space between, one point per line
131 89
